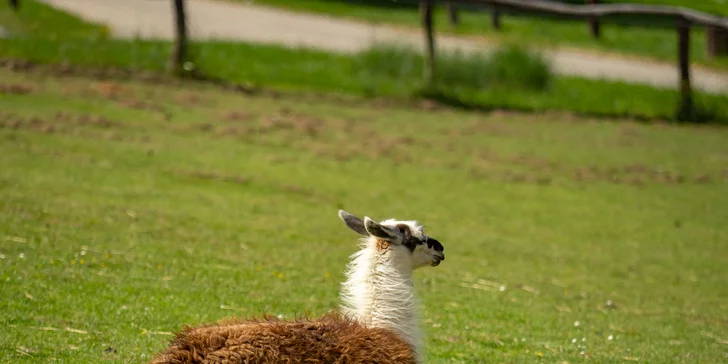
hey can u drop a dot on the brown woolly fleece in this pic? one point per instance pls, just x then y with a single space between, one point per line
331 339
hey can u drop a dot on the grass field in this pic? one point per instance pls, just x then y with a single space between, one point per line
658 41
372 74
380 72
130 209
35 19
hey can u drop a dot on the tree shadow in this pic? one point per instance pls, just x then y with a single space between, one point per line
701 112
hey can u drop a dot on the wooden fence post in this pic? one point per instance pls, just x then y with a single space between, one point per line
685 110
495 19
179 53
452 12
717 41
427 23
594 25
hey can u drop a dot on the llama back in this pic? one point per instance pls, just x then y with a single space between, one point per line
378 323
329 339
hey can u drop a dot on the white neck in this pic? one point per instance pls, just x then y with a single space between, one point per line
378 291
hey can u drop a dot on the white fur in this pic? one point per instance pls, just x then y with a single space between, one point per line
379 291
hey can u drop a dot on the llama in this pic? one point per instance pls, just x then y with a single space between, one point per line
377 322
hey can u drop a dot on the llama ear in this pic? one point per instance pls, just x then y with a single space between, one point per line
353 222
381 231
405 230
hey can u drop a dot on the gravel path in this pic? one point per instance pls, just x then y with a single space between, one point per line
213 19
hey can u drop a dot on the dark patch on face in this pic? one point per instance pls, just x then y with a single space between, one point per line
411 244
434 244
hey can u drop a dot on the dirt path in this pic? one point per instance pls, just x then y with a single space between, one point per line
212 19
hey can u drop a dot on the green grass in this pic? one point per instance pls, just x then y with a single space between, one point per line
128 210
371 74
655 42
510 79
510 67
35 19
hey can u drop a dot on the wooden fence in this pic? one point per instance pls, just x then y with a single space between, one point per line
180 49
681 19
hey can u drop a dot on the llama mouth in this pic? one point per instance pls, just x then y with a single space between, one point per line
437 261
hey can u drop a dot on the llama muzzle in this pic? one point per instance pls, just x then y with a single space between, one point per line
438 258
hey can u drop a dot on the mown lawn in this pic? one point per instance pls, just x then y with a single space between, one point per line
130 209
658 40
36 19
466 81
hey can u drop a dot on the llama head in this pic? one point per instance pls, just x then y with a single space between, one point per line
401 237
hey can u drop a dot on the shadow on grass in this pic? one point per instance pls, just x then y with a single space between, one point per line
701 113
447 98
697 111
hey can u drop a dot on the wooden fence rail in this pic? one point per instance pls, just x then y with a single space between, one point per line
681 19
601 10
